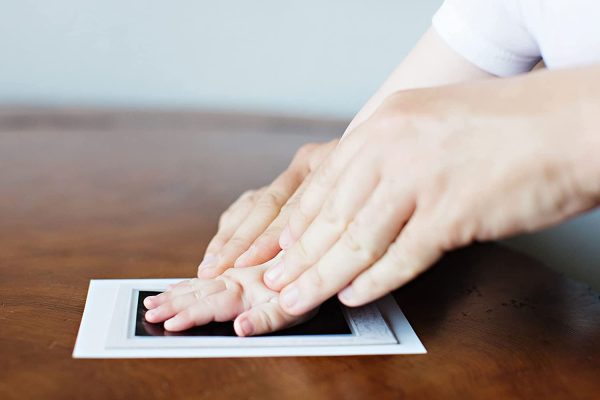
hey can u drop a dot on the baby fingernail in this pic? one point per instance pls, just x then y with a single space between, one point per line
169 324
275 272
285 240
247 327
289 297
173 323
150 314
209 261
148 301
242 260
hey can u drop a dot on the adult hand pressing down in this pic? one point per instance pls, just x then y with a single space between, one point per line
249 229
436 169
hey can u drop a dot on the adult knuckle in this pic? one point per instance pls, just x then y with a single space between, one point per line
321 151
325 147
325 176
306 149
402 275
271 199
315 160
315 279
331 215
394 190
218 240
452 239
399 103
270 235
399 268
301 213
393 114
452 230
287 207
247 196
300 252
237 242
294 199
298 217
298 259
259 192
397 255
367 285
351 241
224 218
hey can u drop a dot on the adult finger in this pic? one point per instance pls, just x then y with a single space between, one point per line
265 210
414 250
321 184
364 241
355 186
271 241
228 223
267 245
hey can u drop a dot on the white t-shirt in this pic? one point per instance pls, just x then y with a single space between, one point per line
508 37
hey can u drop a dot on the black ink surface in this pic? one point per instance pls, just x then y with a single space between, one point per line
328 321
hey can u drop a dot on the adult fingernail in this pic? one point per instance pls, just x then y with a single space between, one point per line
243 260
247 327
346 294
289 297
209 261
285 239
275 272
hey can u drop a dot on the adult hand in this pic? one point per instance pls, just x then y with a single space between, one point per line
249 230
433 170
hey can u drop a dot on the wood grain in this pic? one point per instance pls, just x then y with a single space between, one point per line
105 194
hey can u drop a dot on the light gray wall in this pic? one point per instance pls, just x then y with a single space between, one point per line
298 57
301 57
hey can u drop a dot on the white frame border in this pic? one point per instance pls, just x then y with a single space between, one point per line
102 297
366 324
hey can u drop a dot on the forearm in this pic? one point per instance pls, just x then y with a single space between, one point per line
430 63
574 95
563 104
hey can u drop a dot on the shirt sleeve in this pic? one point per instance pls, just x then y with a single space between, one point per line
490 34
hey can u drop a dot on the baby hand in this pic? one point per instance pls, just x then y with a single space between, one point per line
238 294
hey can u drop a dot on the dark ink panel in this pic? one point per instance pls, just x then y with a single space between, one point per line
328 321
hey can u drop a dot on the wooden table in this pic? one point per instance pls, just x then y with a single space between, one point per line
101 194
